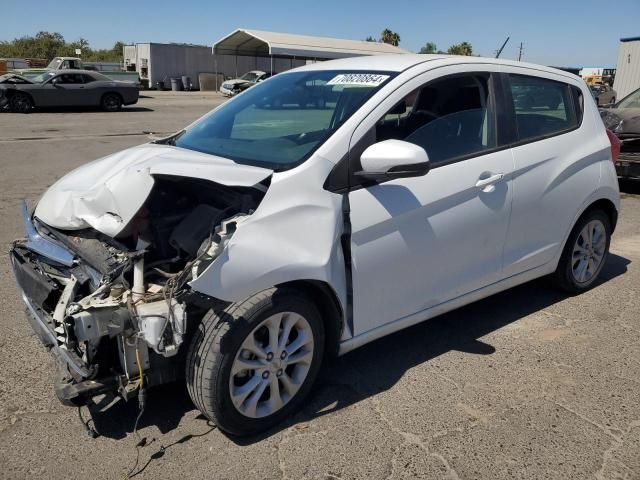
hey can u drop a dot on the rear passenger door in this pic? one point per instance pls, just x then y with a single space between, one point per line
554 169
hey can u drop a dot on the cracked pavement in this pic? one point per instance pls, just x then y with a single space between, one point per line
527 384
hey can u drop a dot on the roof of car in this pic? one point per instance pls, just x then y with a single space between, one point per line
399 63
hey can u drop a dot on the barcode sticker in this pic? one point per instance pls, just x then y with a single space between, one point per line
360 79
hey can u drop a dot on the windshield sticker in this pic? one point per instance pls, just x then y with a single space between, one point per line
360 79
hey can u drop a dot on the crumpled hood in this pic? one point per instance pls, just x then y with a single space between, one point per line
107 193
5 79
235 81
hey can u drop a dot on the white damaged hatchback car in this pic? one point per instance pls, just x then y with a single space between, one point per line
317 211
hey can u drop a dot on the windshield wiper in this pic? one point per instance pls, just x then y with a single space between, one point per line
170 140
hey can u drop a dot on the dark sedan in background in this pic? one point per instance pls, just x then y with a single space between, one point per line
624 120
77 88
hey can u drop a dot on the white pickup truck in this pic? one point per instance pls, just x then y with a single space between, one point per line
75 63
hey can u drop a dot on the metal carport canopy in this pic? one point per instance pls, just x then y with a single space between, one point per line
261 43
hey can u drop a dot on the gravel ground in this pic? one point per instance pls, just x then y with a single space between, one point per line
526 384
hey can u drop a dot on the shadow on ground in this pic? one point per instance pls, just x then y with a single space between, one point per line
369 369
631 187
125 109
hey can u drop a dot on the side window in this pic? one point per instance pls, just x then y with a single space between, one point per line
70 78
88 78
578 104
450 118
542 107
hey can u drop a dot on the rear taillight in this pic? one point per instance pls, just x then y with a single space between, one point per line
615 145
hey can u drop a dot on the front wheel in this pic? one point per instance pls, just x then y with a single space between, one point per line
585 253
250 366
20 103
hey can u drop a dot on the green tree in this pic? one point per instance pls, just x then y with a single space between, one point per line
463 48
390 37
430 47
47 45
370 39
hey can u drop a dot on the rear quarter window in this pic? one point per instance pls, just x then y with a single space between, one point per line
543 107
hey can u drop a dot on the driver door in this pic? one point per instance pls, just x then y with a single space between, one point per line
419 242
67 90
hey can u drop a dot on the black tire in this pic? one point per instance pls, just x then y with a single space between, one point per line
20 103
111 102
564 277
214 347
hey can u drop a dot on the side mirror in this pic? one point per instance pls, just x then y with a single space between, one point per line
391 159
398 109
55 81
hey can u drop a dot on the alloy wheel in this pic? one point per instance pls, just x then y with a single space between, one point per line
589 251
111 103
20 103
271 365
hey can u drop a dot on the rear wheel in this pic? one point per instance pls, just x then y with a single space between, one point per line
585 253
250 366
111 102
20 103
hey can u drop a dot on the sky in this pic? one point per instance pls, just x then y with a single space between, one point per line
559 33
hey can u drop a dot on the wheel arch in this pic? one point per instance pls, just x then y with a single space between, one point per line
111 92
604 203
10 92
607 206
326 300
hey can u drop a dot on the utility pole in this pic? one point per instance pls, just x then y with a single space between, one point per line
520 54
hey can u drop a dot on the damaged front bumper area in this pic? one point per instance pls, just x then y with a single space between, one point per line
111 321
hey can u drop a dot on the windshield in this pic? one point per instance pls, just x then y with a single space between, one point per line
250 76
278 123
55 64
43 77
630 101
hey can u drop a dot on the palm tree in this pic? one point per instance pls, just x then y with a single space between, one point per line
390 37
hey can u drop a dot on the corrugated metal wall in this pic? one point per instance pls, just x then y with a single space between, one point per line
167 61
628 70
174 60
232 66
130 55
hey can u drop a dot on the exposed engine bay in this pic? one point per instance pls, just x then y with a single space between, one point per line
120 308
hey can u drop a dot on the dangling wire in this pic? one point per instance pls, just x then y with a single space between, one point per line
142 402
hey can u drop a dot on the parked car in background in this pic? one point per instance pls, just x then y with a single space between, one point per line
623 119
77 88
240 252
237 85
603 94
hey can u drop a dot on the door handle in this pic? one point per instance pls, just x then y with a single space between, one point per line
488 184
